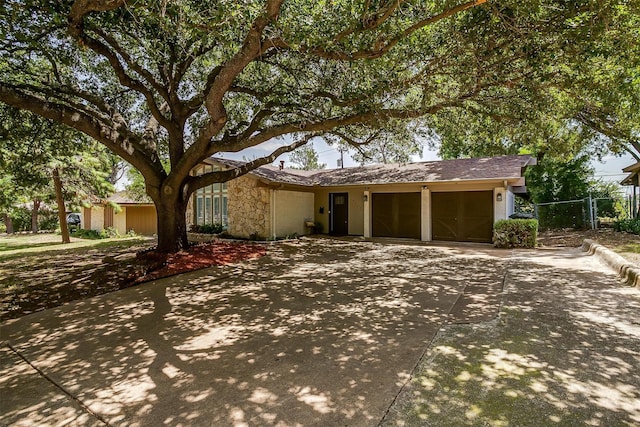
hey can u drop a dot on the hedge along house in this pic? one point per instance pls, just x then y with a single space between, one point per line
455 200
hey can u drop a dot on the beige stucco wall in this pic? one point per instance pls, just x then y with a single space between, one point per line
120 220
356 208
249 207
290 210
97 218
189 213
425 215
500 208
360 211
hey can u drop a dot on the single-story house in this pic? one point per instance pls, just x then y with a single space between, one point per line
456 200
137 215
633 179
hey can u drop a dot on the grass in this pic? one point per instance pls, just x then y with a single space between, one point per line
38 271
23 244
632 248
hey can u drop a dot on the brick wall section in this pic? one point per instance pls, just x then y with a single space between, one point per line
249 208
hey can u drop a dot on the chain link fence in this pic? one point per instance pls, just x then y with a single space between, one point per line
584 213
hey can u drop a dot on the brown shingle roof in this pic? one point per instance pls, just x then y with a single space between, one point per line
274 174
126 198
504 167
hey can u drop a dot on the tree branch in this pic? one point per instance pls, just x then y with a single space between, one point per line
378 51
76 30
149 78
227 175
113 135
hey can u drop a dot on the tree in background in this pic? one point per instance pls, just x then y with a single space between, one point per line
591 109
306 158
562 180
43 162
396 142
204 77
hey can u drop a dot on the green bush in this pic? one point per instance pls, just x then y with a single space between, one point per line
515 233
86 234
48 220
109 232
21 218
628 225
215 228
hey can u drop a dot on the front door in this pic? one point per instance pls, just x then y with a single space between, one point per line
339 213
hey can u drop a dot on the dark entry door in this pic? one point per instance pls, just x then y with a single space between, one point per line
396 215
339 215
465 216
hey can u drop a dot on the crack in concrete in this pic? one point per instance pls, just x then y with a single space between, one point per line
58 386
446 324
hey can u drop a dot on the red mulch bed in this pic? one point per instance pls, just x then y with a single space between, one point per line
199 256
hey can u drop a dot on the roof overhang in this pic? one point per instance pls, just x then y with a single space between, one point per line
634 175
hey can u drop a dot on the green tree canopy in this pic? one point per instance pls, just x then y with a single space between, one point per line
195 78
306 158
33 150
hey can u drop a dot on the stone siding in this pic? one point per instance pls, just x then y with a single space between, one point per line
249 208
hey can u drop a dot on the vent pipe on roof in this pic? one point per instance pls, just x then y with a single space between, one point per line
281 164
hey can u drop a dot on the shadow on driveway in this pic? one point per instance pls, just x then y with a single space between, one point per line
565 351
321 332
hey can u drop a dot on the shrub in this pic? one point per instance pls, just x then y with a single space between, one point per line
515 233
628 225
21 218
255 236
48 220
86 234
109 232
215 228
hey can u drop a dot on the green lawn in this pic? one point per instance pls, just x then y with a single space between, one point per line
22 244
38 272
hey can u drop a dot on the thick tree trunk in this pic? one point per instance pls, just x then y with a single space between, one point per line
34 216
8 222
172 225
62 213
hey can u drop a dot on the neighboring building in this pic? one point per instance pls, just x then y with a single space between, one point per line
633 180
135 215
457 200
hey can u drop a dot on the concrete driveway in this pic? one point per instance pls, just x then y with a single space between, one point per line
320 332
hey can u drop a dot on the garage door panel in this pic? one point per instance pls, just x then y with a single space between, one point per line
396 215
445 230
465 216
142 219
476 230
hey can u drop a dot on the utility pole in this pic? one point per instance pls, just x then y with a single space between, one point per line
341 160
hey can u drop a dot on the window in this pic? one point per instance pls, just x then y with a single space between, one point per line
211 201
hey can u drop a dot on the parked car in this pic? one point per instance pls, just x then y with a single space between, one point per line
74 220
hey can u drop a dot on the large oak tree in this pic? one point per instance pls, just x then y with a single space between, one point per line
196 78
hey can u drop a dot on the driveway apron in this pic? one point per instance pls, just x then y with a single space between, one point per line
320 332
